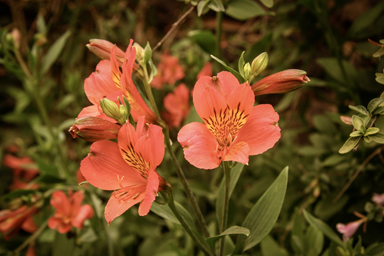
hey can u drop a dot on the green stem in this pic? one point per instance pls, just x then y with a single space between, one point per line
199 243
219 22
31 238
224 217
179 171
31 79
187 189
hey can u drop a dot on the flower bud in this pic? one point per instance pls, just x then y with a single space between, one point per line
281 82
247 70
16 36
139 52
259 64
94 129
102 49
350 229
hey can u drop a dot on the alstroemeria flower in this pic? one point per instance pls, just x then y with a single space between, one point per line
11 221
69 211
350 229
102 49
123 80
177 106
233 128
98 86
94 129
168 71
128 168
205 71
24 171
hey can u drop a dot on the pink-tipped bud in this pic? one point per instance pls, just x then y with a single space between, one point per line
16 36
350 229
281 82
378 199
94 129
102 49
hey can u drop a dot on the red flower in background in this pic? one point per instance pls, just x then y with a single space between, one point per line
205 71
177 106
233 128
24 171
69 211
128 168
168 71
11 221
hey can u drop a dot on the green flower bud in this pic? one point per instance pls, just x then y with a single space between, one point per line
259 64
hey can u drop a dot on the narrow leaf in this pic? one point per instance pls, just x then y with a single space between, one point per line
349 144
358 123
234 72
378 137
373 104
324 228
234 230
264 213
360 109
244 9
165 212
267 3
54 52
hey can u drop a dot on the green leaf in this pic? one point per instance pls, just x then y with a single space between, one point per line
324 228
314 241
202 7
267 3
371 131
358 123
165 212
153 71
360 109
235 174
373 104
147 53
333 67
378 111
366 20
205 39
264 213
54 52
356 134
270 247
349 144
40 24
241 64
234 230
378 138
375 249
216 5
234 72
244 9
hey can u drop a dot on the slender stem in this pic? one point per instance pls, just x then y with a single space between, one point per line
187 189
31 238
43 113
354 176
174 25
148 91
187 228
224 217
219 21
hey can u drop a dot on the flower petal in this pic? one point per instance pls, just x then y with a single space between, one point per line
239 152
150 192
115 207
60 202
241 98
99 84
199 146
85 212
104 167
151 146
207 99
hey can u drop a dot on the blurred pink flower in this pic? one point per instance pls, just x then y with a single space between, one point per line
11 221
69 211
24 171
350 229
205 71
168 71
177 106
378 199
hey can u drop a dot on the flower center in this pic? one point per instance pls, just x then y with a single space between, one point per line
136 161
225 124
125 193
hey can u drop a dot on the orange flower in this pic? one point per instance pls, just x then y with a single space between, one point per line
24 171
177 106
69 211
11 221
128 168
233 128
168 72
123 80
